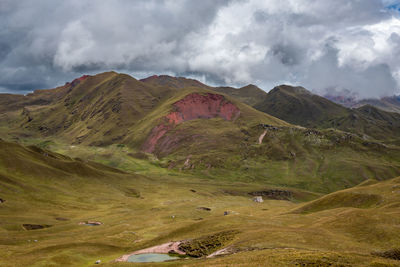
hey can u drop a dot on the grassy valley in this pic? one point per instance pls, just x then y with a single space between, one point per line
138 211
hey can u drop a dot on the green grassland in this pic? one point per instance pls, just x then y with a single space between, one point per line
321 162
138 211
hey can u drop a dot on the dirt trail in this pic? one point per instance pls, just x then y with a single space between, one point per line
163 248
260 139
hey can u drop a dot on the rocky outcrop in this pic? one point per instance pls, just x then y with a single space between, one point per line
191 107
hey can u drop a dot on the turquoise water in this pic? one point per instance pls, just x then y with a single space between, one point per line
151 257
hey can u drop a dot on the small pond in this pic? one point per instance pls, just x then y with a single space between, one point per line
151 257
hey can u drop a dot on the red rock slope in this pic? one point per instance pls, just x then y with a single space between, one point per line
191 107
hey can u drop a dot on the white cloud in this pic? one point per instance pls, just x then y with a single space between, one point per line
321 44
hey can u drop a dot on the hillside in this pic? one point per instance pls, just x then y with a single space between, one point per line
33 174
111 108
299 106
96 109
103 109
371 121
249 94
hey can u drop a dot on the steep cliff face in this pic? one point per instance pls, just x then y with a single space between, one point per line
191 107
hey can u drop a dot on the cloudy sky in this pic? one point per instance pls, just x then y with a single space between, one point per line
322 45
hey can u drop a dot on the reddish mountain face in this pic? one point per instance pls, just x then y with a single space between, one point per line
196 106
193 106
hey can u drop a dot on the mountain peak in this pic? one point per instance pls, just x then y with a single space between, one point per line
291 89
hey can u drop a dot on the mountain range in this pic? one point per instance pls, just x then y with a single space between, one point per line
299 106
189 125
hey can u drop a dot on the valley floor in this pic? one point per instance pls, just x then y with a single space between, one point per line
155 205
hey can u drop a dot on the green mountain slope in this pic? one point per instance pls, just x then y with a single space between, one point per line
96 109
200 131
34 175
249 94
369 120
298 106
114 108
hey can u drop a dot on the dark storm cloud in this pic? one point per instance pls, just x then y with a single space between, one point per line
342 44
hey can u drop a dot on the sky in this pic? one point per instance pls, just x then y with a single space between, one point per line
327 46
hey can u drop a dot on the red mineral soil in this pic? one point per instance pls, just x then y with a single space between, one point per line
155 135
149 78
164 248
191 107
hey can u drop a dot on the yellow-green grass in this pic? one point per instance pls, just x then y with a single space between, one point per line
318 165
141 211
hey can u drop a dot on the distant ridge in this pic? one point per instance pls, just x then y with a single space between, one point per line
388 103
